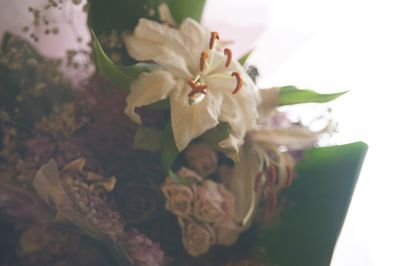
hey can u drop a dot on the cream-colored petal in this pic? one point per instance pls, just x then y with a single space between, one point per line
148 88
296 138
269 101
190 121
241 184
231 145
239 110
186 42
197 39
165 15
142 50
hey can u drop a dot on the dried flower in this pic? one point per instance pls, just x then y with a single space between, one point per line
96 210
213 203
73 198
141 250
201 158
138 200
197 237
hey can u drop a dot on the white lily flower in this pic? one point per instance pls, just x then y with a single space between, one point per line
204 85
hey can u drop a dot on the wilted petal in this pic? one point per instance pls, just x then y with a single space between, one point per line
148 88
47 184
190 121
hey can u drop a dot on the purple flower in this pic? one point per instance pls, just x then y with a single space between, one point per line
140 249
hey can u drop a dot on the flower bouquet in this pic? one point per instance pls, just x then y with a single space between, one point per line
168 154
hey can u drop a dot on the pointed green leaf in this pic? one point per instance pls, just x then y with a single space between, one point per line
181 9
169 151
105 16
147 138
292 95
160 105
214 136
319 199
120 75
244 57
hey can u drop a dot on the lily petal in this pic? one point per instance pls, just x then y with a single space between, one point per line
148 88
176 50
241 184
296 138
238 110
269 101
190 121
143 50
197 38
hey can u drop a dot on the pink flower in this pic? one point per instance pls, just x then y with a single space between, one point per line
197 237
214 204
201 158
179 198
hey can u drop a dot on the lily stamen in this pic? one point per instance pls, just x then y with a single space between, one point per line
290 176
192 84
214 36
228 53
203 58
199 88
239 82
272 173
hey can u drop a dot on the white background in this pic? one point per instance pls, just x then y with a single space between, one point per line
328 46
334 46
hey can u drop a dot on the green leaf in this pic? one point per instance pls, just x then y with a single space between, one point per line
147 138
120 75
160 105
105 16
321 196
292 95
169 151
244 57
181 9
214 136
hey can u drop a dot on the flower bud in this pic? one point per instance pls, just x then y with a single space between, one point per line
201 158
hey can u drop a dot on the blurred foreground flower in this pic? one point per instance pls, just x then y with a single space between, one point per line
74 199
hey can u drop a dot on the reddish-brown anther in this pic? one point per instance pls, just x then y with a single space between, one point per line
272 173
257 182
203 58
239 82
228 53
290 176
214 36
